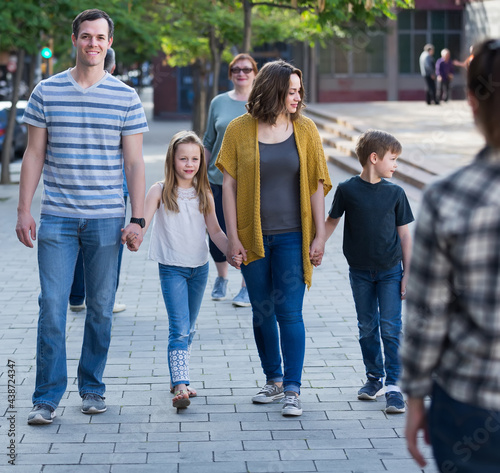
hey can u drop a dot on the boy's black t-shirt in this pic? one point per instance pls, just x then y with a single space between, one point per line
372 214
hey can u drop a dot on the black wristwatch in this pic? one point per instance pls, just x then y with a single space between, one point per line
140 221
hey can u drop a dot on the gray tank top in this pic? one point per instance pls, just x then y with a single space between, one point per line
279 187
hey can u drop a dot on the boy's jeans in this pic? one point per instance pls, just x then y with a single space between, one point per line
183 290
276 288
59 241
377 297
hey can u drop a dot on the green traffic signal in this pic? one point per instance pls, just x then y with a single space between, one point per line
46 53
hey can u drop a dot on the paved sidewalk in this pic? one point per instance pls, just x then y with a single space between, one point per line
222 431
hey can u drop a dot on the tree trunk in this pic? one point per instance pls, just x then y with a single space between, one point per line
216 48
9 132
247 28
200 97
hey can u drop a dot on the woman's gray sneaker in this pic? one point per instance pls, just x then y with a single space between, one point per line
291 405
269 393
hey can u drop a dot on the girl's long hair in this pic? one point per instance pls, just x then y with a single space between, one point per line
200 180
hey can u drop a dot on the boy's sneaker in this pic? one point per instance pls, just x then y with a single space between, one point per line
93 404
291 405
394 403
242 299
269 393
219 290
371 389
41 414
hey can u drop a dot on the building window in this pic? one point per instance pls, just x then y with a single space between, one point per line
361 55
416 28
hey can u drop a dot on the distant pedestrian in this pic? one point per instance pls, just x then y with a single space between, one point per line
444 74
275 180
428 72
77 294
183 209
377 246
224 108
83 126
451 348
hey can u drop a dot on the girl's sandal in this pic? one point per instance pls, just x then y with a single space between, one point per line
181 399
191 391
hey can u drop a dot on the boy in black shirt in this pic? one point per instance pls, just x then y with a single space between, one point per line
377 246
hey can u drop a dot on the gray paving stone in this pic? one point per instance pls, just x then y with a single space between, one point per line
282 466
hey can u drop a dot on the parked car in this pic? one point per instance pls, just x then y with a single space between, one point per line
20 138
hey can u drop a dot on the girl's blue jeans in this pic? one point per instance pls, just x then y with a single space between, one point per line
377 297
183 290
276 288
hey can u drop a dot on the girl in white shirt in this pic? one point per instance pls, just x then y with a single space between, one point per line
183 207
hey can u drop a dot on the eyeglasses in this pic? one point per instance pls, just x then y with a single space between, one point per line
245 70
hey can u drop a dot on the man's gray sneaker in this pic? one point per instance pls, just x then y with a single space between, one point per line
93 404
371 389
219 290
41 414
242 299
269 393
291 405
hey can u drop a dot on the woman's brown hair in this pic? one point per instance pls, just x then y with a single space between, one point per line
268 96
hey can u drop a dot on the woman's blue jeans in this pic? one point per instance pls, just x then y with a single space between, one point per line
183 290
377 297
59 241
276 288
464 438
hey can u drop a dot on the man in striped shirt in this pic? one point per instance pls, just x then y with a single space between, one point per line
84 126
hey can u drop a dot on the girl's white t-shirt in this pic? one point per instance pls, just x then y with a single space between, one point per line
180 239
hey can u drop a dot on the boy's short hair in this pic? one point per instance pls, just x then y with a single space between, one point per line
376 141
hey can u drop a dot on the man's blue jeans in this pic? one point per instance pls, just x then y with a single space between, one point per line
183 290
464 438
59 240
377 297
276 288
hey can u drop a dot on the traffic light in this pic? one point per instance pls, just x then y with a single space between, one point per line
46 53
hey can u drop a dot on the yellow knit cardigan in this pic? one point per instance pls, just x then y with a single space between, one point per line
239 156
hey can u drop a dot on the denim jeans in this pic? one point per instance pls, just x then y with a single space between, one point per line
183 290
77 294
276 288
377 297
59 241
464 438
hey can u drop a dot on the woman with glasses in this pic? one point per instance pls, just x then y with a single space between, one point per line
224 108
275 181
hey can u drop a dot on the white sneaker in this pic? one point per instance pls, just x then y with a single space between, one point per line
118 307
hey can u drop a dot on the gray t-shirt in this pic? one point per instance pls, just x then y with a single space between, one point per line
223 110
279 187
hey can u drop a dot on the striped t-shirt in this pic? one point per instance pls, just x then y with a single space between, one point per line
82 173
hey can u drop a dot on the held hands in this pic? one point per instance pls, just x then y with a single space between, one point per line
132 236
316 251
236 254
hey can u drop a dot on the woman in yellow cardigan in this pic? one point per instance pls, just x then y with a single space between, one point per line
275 181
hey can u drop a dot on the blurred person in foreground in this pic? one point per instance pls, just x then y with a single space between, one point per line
451 349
